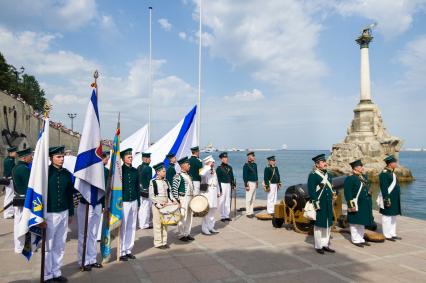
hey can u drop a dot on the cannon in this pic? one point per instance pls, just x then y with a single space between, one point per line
290 210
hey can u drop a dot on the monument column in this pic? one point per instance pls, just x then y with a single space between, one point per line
364 40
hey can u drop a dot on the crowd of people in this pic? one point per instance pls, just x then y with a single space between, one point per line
147 190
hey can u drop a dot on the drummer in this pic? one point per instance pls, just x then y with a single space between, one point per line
212 193
159 193
183 191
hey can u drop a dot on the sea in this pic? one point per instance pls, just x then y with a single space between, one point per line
295 165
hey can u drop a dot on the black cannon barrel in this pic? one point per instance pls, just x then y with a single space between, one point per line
300 193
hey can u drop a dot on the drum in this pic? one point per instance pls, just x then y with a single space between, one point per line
199 206
170 214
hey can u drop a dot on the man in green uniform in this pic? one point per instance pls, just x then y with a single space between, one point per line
8 164
131 201
321 194
171 171
225 177
20 176
358 197
60 209
144 177
195 166
251 182
271 183
389 199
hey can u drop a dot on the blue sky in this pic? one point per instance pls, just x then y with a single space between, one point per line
275 72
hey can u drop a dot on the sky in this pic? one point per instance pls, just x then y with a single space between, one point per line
273 72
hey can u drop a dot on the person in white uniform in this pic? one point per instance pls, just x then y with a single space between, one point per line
183 191
160 195
8 164
60 210
271 183
211 192
144 178
225 176
251 182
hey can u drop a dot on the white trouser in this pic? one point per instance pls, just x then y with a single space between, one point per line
272 198
92 232
225 200
128 227
160 230
388 226
250 197
196 187
56 236
99 236
357 233
321 237
19 245
8 198
208 221
145 217
185 224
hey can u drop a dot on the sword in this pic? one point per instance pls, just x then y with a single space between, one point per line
6 206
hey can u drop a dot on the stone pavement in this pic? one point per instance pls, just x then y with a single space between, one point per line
245 250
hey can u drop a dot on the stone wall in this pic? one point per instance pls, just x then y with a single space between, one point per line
20 125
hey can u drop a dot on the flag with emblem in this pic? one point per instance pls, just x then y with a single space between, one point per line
113 200
89 169
35 199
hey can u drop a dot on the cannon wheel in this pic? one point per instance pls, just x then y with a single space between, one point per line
277 222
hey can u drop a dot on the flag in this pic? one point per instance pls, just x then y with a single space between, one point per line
89 169
178 140
115 197
36 197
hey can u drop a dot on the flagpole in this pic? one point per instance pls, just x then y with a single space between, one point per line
199 73
86 219
150 76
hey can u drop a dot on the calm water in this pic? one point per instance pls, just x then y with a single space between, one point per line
295 166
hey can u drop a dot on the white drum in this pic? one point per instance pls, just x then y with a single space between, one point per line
170 214
199 206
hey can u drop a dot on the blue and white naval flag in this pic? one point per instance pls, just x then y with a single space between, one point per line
89 169
178 140
36 197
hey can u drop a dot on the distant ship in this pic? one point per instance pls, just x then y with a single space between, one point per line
285 147
209 148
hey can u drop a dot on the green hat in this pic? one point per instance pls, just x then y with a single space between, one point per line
146 154
159 166
12 149
183 160
24 152
223 154
390 159
250 153
271 158
127 151
170 155
56 150
356 163
195 148
319 157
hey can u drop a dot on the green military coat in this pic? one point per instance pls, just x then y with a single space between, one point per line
21 176
170 173
225 175
194 170
271 175
386 178
60 190
130 184
250 173
325 212
364 215
8 164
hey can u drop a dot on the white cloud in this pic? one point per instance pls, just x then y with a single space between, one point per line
67 14
182 35
246 96
413 58
165 24
394 17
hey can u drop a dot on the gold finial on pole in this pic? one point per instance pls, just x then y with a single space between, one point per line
47 108
95 76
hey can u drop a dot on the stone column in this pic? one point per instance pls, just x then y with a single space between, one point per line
365 85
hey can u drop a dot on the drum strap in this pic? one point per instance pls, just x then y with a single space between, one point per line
155 185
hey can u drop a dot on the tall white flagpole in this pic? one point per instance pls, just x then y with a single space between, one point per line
199 75
150 76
